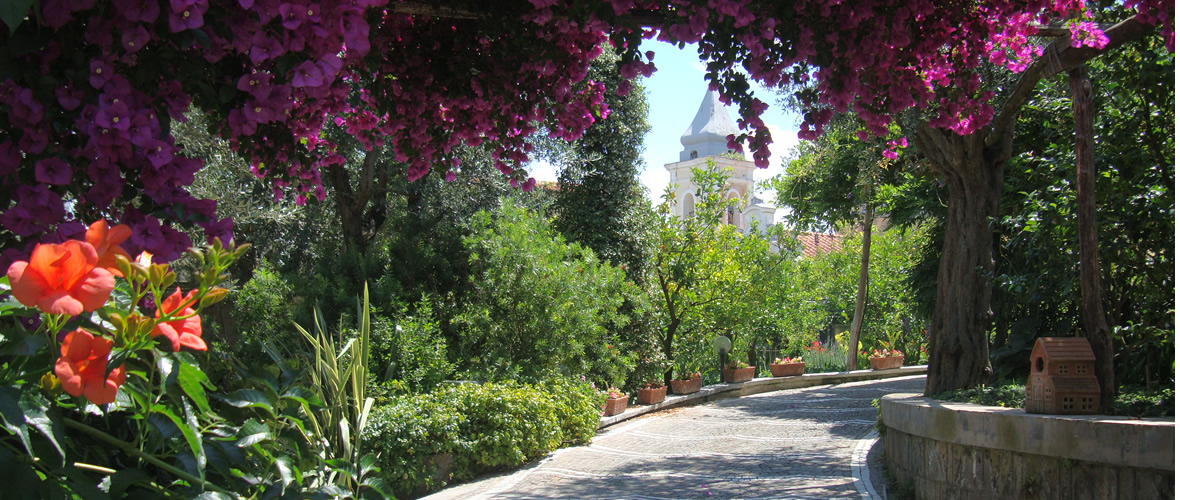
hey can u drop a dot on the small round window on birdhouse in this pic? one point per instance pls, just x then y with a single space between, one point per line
1040 364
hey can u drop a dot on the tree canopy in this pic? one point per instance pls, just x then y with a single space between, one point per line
89 90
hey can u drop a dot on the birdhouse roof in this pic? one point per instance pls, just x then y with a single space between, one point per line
1064 348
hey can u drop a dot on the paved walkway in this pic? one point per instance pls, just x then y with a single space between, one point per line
797 443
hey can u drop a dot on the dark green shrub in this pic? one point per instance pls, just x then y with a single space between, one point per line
1008 394
410 349
1138 402
483 426
536 304
263 311
406 433
1131 401
506 423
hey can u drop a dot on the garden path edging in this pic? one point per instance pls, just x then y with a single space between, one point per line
758 386
974 451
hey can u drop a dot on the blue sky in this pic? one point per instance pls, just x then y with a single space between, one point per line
674 93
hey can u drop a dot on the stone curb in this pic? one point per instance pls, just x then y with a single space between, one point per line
1123 441
757 386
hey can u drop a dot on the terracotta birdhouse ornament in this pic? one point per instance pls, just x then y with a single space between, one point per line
1062 380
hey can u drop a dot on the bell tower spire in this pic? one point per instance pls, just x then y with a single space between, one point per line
708 134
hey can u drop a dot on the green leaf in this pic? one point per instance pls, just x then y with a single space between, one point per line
163 425
24 344
124 479
190 418
302 395
19 477
167 367
34 406
253 432
213 495
243 398
287 470
82 486
201 38
189 433
223 457
14 418
191 379
226 93
13 12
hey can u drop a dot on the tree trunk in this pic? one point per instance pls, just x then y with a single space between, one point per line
669 340
358 219
669 337
974 176
862 287
1093 314
973 166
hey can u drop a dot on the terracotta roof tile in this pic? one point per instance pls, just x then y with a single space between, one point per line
815 244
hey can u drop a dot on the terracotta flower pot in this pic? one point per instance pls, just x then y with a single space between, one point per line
653 395
736 375
886 362
615 406
686 386
787 369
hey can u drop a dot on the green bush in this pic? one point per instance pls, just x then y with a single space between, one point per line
409 351
1008 394
536 304
1141 403
1131 401
578 408
263 311
484 427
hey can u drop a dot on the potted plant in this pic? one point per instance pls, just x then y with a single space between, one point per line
616 402
652 392
688 383
885 359
736 372
787 367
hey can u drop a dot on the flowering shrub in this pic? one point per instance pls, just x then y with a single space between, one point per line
881 353
614 393
103 389
737 365
821 358
94 86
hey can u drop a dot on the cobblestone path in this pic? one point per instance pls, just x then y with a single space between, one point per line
797 443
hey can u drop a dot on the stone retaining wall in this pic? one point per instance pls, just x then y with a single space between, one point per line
959 450
758 386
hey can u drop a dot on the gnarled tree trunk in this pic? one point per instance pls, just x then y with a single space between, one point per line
359 219
962 309
974 169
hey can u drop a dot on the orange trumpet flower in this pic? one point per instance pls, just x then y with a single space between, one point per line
82 368
61 279
106 243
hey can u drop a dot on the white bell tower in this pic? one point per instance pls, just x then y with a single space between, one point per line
708 137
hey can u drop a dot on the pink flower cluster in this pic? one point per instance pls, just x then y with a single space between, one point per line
88 105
